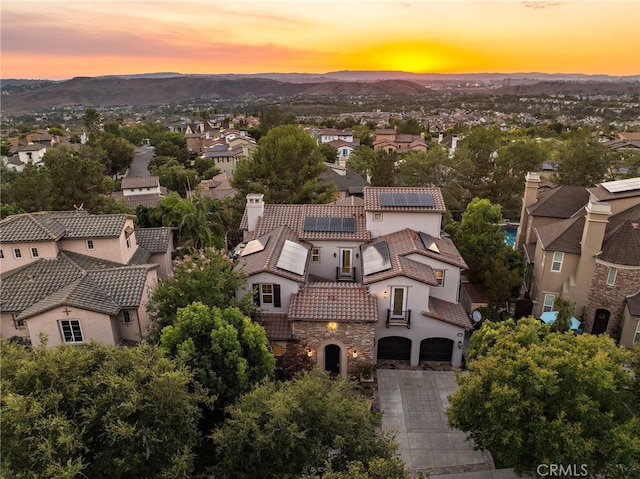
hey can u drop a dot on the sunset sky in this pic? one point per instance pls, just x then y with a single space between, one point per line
51 39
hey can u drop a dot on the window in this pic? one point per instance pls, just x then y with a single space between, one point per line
128 241
548 302
439 276
126 317
34 252
377 217
71 331
18 323
17 254
1 254
556 264
398 301
315 255
611 277
90 244
267 294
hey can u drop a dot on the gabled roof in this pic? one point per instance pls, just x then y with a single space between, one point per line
372 196
340 302
562 235
32 227
276 325
266 260
73 280
633 302
406 242
613 190
622 245
350 181
452 313
140 182
154 240
560 202
93 226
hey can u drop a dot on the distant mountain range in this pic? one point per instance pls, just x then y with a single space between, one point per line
20 96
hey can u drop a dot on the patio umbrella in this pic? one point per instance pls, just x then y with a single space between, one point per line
549 317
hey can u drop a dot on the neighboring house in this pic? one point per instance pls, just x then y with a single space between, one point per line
218 187
31 153
348 182
140 190
77 277
388 140
352 282
584 244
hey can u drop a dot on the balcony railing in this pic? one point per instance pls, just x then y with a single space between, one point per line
402 318
345 274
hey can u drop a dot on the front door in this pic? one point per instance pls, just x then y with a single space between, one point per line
332 358
345 262
601 321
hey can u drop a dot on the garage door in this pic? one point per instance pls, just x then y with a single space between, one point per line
394 347
436 349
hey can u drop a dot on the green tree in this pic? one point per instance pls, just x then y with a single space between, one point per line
565 308
361 160
227 351
198 220
583 161
377 468
96 411
295 427
119 153
294 360
285 168
92 123
383 168
208 276
30 190
410 126
274 117
76 179
329 152
532 397
173 175
418 168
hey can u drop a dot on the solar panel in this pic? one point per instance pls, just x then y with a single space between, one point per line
619 186
376 258
407 199
329 223
293 257
429 242
255 245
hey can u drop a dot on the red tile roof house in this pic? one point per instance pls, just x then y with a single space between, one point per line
584 244
78 277
371 280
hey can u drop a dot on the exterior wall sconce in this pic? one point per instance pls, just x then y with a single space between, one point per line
355 354
386 294
332 326
310 352
335 255
459 344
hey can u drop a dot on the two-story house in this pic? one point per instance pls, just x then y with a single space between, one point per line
371 280
140 190
76 277
390 141
584 244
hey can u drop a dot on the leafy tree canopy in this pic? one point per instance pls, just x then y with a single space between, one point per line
285 168
361 160
583 161
96 411
287 429
208 276
533 396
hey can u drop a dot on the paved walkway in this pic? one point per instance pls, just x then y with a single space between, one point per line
413 404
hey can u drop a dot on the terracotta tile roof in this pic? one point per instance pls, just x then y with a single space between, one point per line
452 313
560 202
623 245
276 325
340 302
405 242
372 199
564 235
293 216
633 302
350 201
266 260
74 280
154 240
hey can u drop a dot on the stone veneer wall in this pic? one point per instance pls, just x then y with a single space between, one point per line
354 336
611 298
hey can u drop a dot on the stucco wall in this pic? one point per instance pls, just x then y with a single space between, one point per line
393 221
629 328
287 288
94 326
8 330
326 268
46 249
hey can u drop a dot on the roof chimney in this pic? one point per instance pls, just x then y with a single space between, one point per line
531 185
255 209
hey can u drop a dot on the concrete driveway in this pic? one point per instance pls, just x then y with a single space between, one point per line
413 404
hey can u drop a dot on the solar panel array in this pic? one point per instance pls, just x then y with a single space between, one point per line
407 199
293 257
329 223
429 242
255 245
619 186
376 258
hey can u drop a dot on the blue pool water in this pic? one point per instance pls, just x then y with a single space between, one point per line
510 231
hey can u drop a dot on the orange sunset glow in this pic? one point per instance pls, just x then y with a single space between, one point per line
59 40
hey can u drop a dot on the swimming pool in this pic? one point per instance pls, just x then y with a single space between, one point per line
510 234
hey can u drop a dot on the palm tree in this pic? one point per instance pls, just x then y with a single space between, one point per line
198 222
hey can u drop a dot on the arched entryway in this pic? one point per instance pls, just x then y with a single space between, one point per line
332 358
600 321
394 348
436 349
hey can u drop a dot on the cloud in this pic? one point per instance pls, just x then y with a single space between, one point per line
539 5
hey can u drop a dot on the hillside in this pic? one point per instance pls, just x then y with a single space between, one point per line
115 91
